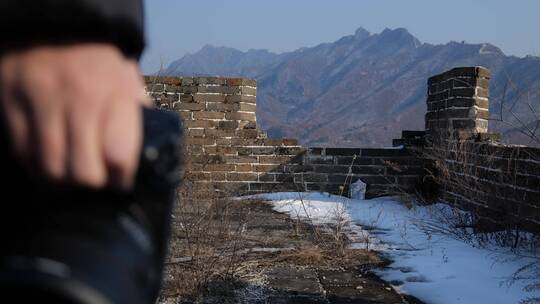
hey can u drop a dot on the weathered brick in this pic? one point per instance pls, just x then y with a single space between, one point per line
241 159
273 159
224 141
368 170
220 133
246 107
219 89
244 168
220 150
228 125
463 124
249 125
299 168
349 160
246 133
273 142
183 106
219 167
241 82
186 97
267 168
199 123
331 169
187 89
248 90
263 150
200 141
339 178
196 132
187 81
209 80
284 178
217 176
208 115
198 175
481 92
200 97
269 187
220 106
267 177
290 150
320 160
243 141
378 180
240 116
310 177
238 176
240 98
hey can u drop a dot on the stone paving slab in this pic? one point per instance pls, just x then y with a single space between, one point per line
274 275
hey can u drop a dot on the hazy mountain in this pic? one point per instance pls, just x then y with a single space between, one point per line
224 61
363 89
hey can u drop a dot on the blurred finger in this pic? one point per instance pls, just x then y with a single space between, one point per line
18 127
51 138
123 141
86 165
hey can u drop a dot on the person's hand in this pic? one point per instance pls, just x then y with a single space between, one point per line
74 113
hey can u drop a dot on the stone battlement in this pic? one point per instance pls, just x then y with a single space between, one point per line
227 153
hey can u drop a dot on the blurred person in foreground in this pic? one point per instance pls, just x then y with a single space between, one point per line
71 90
87 218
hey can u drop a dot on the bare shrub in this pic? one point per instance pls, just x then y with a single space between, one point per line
470 171
517 111
206 242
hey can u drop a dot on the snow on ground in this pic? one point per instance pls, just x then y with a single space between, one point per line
430 266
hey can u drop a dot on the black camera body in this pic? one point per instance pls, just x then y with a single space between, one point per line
90 247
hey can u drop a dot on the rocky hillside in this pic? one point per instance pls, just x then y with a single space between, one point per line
363 89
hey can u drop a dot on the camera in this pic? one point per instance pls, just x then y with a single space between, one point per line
75 245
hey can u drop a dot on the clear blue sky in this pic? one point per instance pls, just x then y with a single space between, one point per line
176 27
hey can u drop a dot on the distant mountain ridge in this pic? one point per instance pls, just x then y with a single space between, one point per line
363 89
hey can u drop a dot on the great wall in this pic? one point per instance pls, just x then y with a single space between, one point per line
227 153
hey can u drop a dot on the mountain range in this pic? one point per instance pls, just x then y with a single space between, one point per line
363 89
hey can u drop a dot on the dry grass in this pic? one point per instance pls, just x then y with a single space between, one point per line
207 238
216 247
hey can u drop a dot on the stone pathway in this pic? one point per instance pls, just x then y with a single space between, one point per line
282 266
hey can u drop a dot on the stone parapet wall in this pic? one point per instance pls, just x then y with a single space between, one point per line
501 183
385 171
227 153
458 102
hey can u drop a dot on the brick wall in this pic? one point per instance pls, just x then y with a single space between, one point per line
500 182
458 102
226 151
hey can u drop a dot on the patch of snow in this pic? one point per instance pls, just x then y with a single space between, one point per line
394 148
430 266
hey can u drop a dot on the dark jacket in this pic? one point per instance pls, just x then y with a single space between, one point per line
27 23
